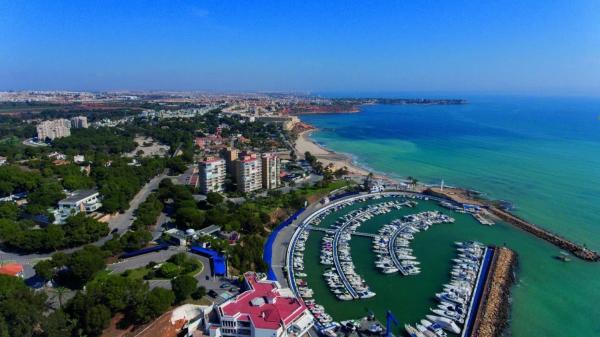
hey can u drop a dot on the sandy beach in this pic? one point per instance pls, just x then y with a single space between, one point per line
305 143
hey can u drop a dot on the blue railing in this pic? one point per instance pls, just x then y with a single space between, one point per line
268 248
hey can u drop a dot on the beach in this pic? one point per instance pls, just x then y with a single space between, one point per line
304 143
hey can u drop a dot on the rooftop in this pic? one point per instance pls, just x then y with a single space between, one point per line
265 304
12 269
78 195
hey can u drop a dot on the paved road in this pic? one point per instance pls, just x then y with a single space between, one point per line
280 245
121 222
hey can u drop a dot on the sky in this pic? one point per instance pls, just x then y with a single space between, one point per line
516 47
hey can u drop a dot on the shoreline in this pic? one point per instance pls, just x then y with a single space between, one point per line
305 143
339 160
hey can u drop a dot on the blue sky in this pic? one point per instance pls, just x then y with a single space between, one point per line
519 47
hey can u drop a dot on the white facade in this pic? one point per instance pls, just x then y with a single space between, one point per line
53 129
271 169
79 122
249 173
212 175
80 201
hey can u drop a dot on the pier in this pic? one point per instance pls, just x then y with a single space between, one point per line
492 314
338 266
332 231
462 197
478 293
393 251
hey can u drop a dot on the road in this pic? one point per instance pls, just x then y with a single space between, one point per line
121 222
204 277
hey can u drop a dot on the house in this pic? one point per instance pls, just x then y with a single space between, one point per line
209 230
78 158
2 160
12 269
87 201
57 156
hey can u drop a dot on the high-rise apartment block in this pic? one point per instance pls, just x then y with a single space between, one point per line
212 175
248 169
53 129
79 122
271 168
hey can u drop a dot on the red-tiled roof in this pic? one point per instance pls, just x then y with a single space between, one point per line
12 269
272 309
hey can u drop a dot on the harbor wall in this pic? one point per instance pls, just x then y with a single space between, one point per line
494 309
459 196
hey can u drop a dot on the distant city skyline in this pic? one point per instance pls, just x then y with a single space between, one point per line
529 47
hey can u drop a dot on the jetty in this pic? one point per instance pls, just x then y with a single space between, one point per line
391 249
463 197
492 316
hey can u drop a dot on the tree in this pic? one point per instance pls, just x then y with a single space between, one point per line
57 324
45 269
199 293
214 198
60 294
168 270
190 218
84 264
96 319
156 302
183 286
9 210
134 240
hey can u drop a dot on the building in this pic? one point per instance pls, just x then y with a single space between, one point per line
264 310
248 173
231 155
12 269
271 170
79 122
212 175
78 158
53 129
87 201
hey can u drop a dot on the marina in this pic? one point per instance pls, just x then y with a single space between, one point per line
322 253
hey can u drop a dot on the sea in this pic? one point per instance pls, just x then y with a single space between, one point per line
540 154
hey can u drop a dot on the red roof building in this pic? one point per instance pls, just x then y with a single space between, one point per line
264 310
12 269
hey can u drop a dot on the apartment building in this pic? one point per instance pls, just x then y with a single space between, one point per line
79 122
53 129
211 175
271 169
248 172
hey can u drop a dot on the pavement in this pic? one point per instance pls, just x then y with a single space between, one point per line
282 241
121 222
204 277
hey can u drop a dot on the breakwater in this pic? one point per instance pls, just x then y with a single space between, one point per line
577 250
463 197
494 310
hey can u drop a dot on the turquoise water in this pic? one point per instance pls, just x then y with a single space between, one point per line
543 155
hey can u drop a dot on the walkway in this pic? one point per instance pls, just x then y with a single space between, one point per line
331 231
392 251
336 260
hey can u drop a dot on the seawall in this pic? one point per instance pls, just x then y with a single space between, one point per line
463 197
494 308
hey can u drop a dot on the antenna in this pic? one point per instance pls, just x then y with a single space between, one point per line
389 319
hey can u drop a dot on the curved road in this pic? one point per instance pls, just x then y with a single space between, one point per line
121 222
